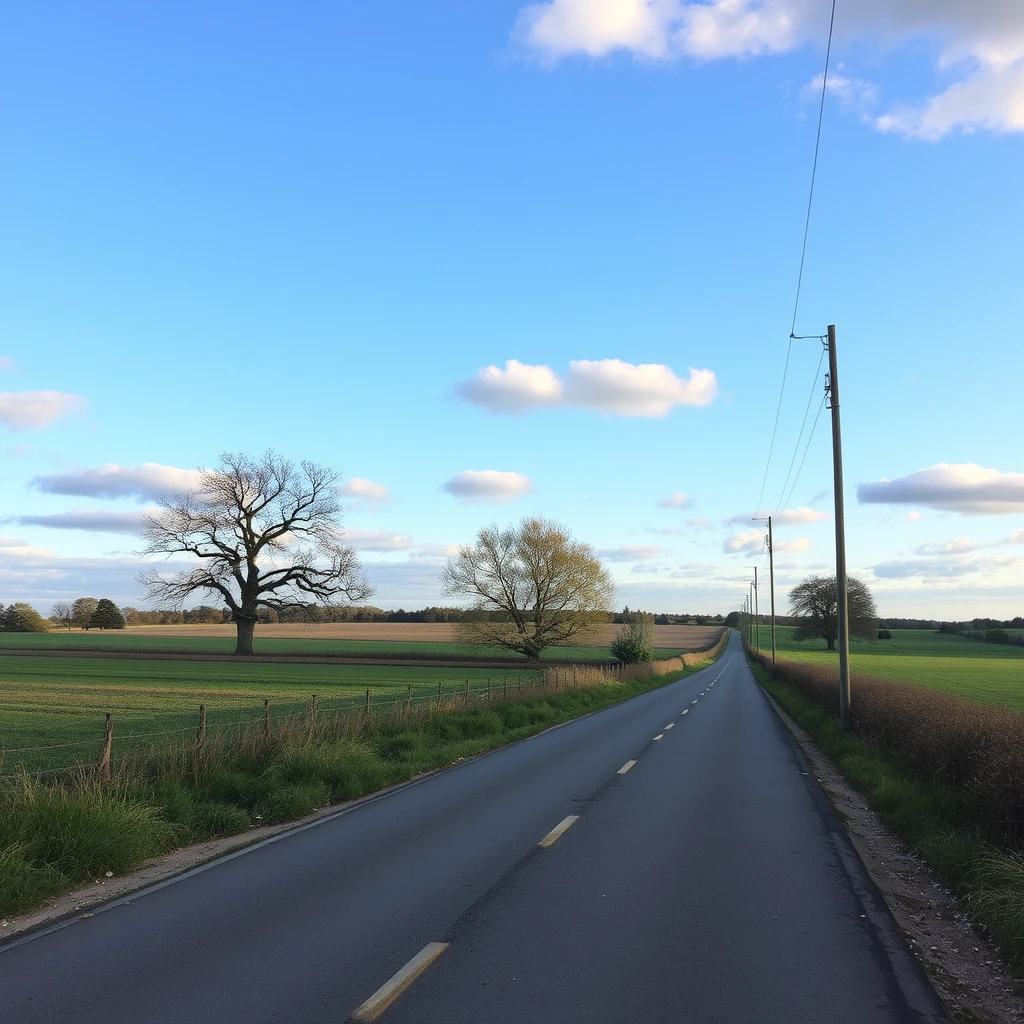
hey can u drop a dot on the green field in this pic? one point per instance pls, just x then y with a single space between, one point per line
52 702
992 673
115 641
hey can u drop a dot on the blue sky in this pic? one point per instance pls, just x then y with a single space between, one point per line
314 229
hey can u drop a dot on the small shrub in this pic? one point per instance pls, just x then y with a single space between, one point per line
885 634
635 641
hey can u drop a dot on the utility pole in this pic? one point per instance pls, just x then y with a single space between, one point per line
832 390
771 571
757 612
750 609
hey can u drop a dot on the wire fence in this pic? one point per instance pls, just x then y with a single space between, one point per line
124 736
125 733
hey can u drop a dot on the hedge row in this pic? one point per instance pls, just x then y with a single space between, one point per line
977 748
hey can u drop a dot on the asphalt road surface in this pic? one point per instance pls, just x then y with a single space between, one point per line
551 881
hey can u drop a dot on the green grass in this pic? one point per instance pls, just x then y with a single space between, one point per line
936 821
991 673
55 836
48 702
126 641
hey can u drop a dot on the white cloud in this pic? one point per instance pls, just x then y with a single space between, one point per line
946 567
378 540
957 546
965 487
856 94
33 410
487 486
677 500
357 487
694 570
515 390
799 517
622 389
788 547
583 26
914 517
747 542
980 44
630 553
147 482
610 386
39 577
700 523
989 99
96 520
1017 537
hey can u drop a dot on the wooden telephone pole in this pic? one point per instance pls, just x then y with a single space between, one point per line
771 580
832 390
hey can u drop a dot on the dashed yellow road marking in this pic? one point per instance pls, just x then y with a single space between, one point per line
396 985
558 831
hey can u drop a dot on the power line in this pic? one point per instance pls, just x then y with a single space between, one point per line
810 437
771 447
814 170
799 436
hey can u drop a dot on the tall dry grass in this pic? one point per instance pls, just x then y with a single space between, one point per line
591 675
975 748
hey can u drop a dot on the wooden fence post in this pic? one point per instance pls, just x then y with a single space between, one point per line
108 740
266 719
408 706
467 693
312 715
504 689
367 700
201 731
488 691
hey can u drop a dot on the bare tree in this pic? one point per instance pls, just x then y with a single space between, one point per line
63 614
546 587
816 601
266 534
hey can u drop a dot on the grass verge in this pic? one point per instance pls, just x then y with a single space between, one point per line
56 836
941 822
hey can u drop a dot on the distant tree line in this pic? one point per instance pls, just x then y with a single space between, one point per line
953 627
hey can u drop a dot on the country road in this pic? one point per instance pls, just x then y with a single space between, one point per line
691 870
